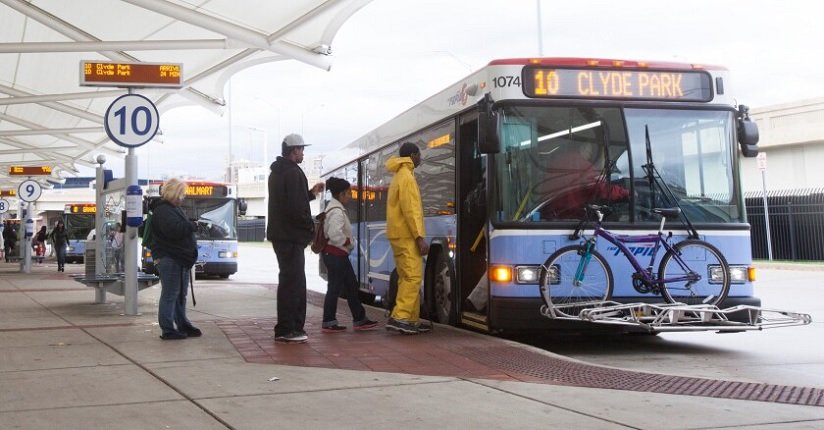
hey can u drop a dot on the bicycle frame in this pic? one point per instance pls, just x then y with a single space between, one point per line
619 240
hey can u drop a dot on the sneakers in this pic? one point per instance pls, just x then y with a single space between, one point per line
333 329
192 331
293 337
366 324
424 328
173 335
403 327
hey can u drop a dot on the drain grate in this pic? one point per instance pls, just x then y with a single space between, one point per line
562 372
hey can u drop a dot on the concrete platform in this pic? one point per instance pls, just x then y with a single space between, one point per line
66 362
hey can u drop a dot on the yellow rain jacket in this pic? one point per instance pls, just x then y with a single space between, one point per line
404 223
404 210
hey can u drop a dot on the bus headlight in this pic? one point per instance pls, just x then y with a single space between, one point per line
527 274
227 254
737 274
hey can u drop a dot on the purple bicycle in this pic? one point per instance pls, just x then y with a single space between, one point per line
691 271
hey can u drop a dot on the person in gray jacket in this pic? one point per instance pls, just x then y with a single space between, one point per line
341 277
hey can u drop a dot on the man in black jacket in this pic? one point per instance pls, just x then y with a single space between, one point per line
290 231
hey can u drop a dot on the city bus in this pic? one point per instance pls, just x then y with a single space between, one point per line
79 221
213 206
501 190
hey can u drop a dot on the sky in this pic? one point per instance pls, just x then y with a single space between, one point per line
393 54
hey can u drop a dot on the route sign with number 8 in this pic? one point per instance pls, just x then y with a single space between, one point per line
4 206
131 120
29 190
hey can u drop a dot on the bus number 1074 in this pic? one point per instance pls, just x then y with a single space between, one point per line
506 81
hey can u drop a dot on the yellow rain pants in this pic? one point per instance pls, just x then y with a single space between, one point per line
409 264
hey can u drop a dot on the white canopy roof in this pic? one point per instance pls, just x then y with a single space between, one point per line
48 119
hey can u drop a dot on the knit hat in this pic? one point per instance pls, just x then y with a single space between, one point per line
336 185
409 148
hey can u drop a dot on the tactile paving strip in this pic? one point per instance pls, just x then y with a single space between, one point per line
447 352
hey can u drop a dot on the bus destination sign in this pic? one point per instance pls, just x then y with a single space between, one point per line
143 75
81 208
663 85
29 170
205 189
8 193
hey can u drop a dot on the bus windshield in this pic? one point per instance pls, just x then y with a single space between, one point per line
555 160
215 218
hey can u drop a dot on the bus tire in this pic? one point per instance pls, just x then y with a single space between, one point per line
442 288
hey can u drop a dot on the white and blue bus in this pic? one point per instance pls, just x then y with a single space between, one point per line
215 208
79 221
497 183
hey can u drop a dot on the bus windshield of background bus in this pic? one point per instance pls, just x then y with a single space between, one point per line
215 218
554 163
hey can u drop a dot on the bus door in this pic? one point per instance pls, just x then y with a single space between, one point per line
473 285
378 261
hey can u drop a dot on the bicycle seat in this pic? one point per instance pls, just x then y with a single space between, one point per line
667 212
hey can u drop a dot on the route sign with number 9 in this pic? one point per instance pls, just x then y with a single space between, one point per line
131 120
29 190
4 206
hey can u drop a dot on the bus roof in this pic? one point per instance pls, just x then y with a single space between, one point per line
603 62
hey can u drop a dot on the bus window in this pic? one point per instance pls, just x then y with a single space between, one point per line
557 160
689 149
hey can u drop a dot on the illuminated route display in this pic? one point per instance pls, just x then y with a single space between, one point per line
112 74
667 85
29 170
206 189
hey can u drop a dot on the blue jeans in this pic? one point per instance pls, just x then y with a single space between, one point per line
61 255
174 283
342 279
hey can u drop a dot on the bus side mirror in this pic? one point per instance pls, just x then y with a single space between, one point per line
241 207
747 133
488 142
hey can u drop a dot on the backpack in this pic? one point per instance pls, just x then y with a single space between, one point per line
319 240
148 236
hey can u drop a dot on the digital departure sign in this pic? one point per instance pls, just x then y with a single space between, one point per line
113 74
29 170
8 193
664 85
81 208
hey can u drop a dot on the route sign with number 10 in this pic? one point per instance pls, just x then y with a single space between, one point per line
131 120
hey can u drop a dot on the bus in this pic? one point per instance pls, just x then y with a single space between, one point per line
79 221
498 179
215 209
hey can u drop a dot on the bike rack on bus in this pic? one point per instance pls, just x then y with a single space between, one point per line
674 317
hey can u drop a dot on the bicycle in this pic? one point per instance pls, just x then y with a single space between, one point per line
691 271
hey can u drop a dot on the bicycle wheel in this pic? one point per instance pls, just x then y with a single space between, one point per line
562 293
702 272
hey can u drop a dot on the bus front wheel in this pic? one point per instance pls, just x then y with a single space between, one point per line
443 290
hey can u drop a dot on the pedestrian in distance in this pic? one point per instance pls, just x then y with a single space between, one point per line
290 230
174 250
116 242
39 246
406 233
340 275
9 240
60 240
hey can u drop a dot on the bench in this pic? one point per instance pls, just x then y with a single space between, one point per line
113 283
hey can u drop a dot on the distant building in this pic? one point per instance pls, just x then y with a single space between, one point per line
792 137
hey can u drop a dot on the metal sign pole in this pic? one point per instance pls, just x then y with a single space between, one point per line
761 162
